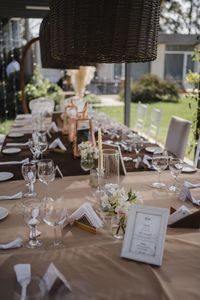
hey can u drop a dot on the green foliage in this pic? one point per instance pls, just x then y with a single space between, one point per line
92 99
40 87
150 88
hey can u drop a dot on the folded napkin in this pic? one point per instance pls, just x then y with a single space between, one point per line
57 169
188 192
15 196
14 162
57 143
18 144
179 214
87 211
54 127
53 276
14 244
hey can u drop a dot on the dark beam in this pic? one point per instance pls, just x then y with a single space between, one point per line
127 93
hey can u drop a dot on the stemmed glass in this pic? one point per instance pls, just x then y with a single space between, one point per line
46 171
33 147
137 145
29 174
160 163
55 214
32 212
41 142
175 166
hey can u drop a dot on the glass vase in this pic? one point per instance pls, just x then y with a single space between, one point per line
118 227
87 163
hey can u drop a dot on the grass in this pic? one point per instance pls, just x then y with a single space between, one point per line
168 109
5 126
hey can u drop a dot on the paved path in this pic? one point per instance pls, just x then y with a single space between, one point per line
108 100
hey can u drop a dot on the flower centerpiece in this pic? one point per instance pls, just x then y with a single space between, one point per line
88 154
116 202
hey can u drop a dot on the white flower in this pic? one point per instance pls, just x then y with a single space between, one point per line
87 150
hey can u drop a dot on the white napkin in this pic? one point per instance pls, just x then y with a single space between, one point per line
52 274
87 211
57 143
138 161
15 196
14 162
59 171
17 144
54 127
185 192
13 244
179 214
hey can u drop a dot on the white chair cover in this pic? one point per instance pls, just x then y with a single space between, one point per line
140 117
154 126
41 106
177 136
197 154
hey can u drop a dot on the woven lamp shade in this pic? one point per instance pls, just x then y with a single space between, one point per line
45 49
102 31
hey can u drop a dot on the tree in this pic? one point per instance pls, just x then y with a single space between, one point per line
180 16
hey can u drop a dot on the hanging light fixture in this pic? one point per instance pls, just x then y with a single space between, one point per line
45 48
102 31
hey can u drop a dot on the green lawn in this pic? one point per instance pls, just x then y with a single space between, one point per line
5 126
168 110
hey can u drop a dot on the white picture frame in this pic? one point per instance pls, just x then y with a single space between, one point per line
145 234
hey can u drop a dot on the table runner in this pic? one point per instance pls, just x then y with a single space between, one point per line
94 260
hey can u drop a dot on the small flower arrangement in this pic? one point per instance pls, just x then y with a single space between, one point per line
88 154
87 149
116 202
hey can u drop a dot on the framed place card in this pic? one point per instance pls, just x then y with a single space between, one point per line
145 234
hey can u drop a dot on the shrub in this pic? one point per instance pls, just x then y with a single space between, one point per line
150 88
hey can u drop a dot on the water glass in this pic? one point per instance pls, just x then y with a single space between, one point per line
55 214
175 166
110 166
36 289
32 213
41 142
46 171
29 174
160 163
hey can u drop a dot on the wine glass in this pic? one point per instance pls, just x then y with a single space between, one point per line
175 166
41 142
33 149
160 163
55 214
137 145
36 289
32 211
29 174
46 171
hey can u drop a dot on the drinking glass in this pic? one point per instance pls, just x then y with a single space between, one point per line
160 163
29 174
46 171
55 214
137 145
41 142
33 149
36 289
175 166
32 212
110 166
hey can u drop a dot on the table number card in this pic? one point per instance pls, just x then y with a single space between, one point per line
145 234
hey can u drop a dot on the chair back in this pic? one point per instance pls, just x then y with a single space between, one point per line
197 154
41 106
154 126
177 136
140 117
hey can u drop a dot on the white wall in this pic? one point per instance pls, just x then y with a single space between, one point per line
157 66
106 71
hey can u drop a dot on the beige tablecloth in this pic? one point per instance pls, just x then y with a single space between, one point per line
92 263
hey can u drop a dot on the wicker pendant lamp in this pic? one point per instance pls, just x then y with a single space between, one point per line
102 31
45 49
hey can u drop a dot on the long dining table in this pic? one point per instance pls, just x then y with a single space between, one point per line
91 262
